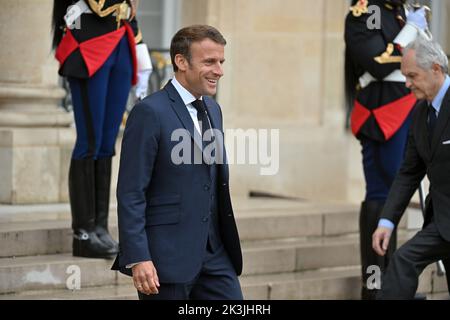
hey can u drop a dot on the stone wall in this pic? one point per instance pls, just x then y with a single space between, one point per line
284 70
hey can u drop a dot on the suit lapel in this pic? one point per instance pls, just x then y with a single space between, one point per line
183 114
216 123
442 121
213 116
422 140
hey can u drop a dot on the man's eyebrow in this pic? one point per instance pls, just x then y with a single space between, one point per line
213 59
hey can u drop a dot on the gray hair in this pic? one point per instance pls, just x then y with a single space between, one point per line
428 53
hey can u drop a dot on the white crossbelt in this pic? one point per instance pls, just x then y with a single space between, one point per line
394 76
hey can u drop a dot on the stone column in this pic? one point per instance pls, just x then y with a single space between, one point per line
35 134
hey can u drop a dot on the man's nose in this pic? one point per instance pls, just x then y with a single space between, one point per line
408 84
218 70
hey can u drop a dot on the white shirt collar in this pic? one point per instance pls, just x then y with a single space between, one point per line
187 98
185 95
437 101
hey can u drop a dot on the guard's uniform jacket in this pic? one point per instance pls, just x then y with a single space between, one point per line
82 51
383 102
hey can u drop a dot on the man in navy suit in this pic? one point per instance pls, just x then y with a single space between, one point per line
177 231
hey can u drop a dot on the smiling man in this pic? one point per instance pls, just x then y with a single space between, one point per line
177 232
425 67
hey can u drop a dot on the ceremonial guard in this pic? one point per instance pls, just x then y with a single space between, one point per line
100 51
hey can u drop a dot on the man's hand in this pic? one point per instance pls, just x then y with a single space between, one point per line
145 278
380 240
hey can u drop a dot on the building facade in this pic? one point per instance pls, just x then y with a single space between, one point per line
283 71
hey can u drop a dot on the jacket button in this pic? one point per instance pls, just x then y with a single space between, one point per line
206 187
205 219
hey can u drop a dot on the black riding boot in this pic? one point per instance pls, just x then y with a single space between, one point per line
368 223
82 202
102 190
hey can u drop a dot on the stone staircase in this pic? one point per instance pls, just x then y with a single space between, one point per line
292 250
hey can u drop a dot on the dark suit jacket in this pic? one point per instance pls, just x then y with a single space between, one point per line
162 206
421 159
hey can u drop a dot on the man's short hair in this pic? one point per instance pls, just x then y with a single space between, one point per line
183 39
428 53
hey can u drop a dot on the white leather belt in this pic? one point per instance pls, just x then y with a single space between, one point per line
394 76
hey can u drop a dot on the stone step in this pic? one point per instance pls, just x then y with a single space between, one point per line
310 253
116 292
286 218
278 237
257 220
332 283
298 254
260 257
439 296
52 272
37 212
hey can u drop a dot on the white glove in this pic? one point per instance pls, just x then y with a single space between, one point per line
416 24
142 83
144 70
418 19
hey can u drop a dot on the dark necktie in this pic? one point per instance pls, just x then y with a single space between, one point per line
203 121
432 119
202 116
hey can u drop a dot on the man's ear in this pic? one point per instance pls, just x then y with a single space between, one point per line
436 68
181 62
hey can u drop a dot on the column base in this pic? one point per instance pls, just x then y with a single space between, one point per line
36 142
35 163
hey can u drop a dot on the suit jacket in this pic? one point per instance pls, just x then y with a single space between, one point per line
422 158
163 206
